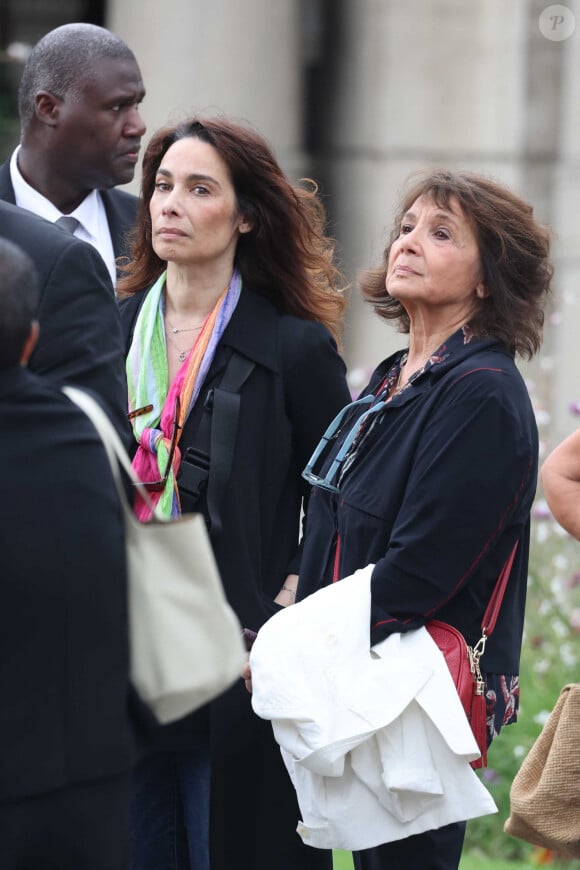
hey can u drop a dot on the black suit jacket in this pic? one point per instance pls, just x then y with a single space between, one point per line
80 333
63 621
120 208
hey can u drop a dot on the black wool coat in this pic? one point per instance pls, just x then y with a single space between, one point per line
294 390
296 387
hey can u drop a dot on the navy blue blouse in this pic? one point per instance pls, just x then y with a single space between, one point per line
435 490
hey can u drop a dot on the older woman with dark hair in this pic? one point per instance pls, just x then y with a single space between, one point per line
231 312
434 486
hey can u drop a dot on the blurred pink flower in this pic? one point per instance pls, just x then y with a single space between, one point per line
541 511
490 775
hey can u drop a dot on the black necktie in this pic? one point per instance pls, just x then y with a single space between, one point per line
68 224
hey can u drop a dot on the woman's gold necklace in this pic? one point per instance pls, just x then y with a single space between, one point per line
181 354
175 329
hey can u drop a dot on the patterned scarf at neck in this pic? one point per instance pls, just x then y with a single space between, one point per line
148 384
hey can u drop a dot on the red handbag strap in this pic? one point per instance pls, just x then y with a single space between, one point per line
492 610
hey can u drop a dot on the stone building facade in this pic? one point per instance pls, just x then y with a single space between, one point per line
359 93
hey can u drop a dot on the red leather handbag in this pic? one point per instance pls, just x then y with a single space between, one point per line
463 660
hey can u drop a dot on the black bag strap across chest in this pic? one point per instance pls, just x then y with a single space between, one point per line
208 461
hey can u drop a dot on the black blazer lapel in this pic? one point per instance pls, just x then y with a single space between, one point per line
6 189
121 211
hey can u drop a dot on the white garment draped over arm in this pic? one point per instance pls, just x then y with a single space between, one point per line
375 740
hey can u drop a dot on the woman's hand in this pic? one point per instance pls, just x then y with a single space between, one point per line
247 676
285 597
287 594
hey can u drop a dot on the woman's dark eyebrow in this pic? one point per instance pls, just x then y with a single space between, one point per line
439 215
194 176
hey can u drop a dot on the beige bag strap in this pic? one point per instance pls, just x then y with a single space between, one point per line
116 453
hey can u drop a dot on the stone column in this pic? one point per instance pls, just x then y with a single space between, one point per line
564 336
417 84
242 59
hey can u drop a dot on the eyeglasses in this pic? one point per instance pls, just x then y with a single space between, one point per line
326 482
159 485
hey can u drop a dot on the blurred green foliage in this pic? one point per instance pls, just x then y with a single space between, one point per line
342 861
550 657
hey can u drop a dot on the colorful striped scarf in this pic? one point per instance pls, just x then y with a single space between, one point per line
148 384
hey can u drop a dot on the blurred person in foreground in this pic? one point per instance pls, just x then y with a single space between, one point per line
81 129
560 475
232 272
437 484
66 730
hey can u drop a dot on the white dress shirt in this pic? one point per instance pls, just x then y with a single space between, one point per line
375 740
93 225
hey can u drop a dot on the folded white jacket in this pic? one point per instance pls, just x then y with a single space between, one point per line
375 740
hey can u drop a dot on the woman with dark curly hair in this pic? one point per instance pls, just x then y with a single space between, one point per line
231 313
437 470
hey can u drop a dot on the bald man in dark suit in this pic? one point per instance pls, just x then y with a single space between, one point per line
79 105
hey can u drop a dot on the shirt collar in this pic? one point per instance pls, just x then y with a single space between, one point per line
461 344
26 196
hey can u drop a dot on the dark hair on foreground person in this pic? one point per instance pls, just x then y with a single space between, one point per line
19 294
65 774
514 252
286 257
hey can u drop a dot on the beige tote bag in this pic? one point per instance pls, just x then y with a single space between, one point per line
185 640
545 793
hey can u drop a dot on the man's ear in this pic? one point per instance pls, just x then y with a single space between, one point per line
30 343
47 107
